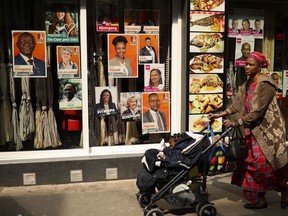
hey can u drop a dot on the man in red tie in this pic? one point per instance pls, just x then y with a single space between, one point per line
26 45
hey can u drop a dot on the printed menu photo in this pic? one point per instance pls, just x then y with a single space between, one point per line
207 21
206 63
206 42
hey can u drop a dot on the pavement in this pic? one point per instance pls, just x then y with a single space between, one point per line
117 198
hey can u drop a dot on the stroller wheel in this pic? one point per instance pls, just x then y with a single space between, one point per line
144 199
199 206
208 210
155 212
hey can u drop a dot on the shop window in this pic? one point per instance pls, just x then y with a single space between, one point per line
129 75
41 85
41 97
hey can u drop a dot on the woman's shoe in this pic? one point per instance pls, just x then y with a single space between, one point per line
284 204
256 205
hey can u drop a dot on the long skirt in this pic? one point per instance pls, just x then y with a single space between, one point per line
255 174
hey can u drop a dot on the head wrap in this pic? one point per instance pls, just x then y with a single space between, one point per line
259 58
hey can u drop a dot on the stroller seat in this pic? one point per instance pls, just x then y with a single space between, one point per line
176 187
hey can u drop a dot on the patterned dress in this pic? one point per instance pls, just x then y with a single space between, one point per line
255 174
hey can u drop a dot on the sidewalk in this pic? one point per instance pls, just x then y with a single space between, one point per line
116 198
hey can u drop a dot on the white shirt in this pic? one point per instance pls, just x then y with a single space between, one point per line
27 59
152 53
154 115
124 68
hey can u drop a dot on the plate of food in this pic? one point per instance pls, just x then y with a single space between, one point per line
207 21
206 63
205 103
204 5
197 123
202 83
206 42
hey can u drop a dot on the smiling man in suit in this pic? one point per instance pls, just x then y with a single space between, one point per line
153 114
26 45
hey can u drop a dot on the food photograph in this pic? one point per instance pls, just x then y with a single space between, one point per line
204 5
205 103
206 42
207 21
198 122
206 63
202 83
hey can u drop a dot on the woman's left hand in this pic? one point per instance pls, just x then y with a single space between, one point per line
229 123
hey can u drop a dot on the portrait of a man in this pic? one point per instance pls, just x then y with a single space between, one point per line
153 114
148 53
70 95
25 62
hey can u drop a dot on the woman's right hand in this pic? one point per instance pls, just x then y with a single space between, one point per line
213 116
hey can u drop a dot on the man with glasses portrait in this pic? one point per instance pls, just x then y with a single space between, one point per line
26 45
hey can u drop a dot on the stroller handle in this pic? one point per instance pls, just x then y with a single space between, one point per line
221 137
206 126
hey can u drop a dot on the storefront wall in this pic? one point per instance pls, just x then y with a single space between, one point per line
54 166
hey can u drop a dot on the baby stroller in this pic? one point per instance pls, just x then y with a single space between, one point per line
177 188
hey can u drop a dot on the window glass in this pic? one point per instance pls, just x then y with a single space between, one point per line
129 58
41 77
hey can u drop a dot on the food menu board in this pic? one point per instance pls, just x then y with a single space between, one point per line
206 63
207 21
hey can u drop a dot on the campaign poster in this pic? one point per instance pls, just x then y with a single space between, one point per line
107 17
70 94
154 75
148 48
285 83
244 46
68 62
122 55
206 63
29 54
246 22
207 21
141 21
212 5
130 106
206 42
106 101
155 112
277 77
62 23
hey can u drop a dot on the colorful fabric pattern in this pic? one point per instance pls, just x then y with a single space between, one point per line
255 174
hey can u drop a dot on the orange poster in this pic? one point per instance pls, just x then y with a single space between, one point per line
156 112
29 53
122 56
68 61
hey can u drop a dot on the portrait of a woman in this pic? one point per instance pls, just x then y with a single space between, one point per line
66 63
62 22
155 80
107 114
119 59
132 113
